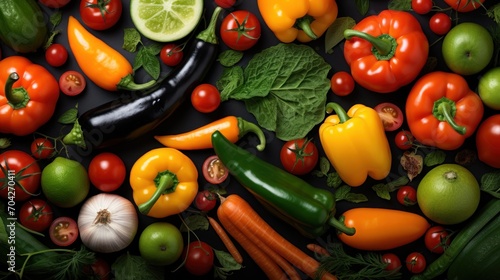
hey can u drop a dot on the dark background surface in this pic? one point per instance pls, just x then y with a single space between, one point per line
186 118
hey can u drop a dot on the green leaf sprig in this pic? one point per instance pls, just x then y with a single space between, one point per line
147 55
384 190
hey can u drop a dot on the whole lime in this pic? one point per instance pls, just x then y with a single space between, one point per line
489 88
161 243
448 194
65 182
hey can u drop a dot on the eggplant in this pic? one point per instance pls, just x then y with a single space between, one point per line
136 113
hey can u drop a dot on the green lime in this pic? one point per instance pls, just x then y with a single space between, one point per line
65 182
448 194
165 20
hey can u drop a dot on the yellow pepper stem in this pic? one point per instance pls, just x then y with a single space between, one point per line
332 106
305 25
165 182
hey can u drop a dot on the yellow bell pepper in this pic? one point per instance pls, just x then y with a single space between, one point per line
355 143
302 20
164 182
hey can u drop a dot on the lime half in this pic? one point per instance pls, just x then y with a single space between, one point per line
165 20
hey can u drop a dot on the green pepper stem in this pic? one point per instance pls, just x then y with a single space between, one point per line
305 25
384 46
340 226
245 126
209 35
444 110
164 182
332 106
17 97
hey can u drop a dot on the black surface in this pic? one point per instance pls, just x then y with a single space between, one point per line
186 118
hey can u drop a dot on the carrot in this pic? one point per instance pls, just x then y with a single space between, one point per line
318 249
266 263
280 261
242 216
226 240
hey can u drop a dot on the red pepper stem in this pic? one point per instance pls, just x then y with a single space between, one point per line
384 46
305 25
17 97
165 183
244 127
332 106
445 110
340 226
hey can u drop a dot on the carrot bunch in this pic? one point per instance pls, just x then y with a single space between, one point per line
276 256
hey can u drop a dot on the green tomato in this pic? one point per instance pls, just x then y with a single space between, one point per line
161 243
489 88
467 48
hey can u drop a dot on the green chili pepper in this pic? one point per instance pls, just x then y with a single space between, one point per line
310 210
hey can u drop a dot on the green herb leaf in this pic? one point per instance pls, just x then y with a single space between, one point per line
154 48
362 6
131 39
400 5
194 222
4 143
69 117
231 79
333 180
384 190
434 158
228 264
229 58
344 193
55 19
490 183
494 13
148 61
131 267
335 33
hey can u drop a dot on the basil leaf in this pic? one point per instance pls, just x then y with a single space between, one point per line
362 6
148 61
131 39
333 180
490 183
434 158
229 58
400 5
335 33
194 222
69 116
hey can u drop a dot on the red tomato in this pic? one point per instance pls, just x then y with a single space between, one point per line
107 171
56 55
171 54
487 139
72 83
54 3
415 262
421 7
99 270
342 83
19 175
437 239
205 200
240 30
42 148
407 195
404 140
226 4
205 98
63 231
440 23
98 16
392 260
214 171
299 156
391 115
36 214
464 5
200 258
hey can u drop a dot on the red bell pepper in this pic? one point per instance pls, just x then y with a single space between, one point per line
442 111
386 51
28 95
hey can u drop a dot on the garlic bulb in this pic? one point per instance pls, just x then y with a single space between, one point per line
107 223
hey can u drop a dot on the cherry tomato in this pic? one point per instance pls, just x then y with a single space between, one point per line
72 83
42 148
437 239
54 3
99 270
214 171
63 231
240 30
440 23
464 5
415 262
98 16
36 214
407 195
205 98
342 83
205 200
404 140
421 7
107 171
56 55
19 175
226 4
392 260
200 258
171 54
299 156
487 139
391 115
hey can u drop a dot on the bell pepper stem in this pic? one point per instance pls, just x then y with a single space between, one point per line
384 46
340 226
17 97
244 127
444 110
305 25
341 113
164 182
